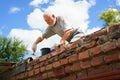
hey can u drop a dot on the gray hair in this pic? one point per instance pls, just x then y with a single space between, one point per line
48 13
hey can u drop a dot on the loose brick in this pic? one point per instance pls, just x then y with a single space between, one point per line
97 61
76 66
111 57
73 58
85 64
95 51
83 55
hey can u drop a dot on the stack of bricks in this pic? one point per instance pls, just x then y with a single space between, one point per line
92 57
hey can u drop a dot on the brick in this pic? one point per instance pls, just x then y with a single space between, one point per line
118 43
99 70
91 44
56 64
49 67
43 58
12 78
113 28
51 74
85 64
26 74
31 73
111 57
37 71
108 46
100 32
68 68
30 67
54 53
41 63
116 66
70 77
38 77
44 75
42 69
64 61
54 79
72 45
73 58
64 55
35 61
83 55
82 74
59 71
78 49
22 75
36 66
76 66
111 77
97 61
95 51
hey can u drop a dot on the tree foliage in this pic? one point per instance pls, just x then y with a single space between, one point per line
11 50
110 16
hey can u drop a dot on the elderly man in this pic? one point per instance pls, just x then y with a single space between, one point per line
58 25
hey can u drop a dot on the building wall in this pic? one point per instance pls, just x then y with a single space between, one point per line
92 57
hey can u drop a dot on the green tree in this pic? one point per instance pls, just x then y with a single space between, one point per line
110 16
11 50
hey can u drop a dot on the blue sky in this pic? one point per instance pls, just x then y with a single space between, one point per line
23 18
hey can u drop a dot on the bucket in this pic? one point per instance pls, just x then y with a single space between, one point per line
45 51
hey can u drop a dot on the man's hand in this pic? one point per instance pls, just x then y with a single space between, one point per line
34 47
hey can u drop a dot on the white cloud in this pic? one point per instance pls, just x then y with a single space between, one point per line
35 19
26 36
14 9
36 3
118 2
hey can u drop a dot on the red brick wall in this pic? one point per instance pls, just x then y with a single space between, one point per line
93 57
